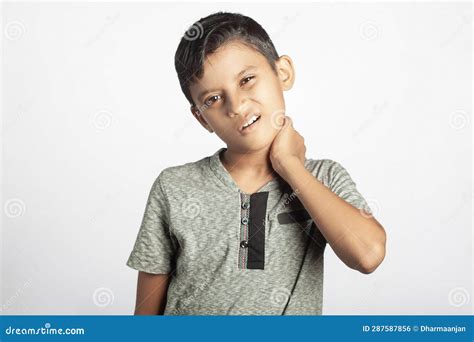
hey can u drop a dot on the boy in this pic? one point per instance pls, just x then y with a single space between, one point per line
242 232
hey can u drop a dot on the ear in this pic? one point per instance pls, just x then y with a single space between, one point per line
199 117
285 71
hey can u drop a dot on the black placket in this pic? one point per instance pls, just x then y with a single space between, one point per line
252 246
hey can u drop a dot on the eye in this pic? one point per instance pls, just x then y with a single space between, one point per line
245 80
210 100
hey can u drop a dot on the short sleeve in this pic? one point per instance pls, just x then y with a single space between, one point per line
341 183
154 250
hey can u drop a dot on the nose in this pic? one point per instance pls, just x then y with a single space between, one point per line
236 104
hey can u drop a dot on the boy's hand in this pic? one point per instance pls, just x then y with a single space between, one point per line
287 148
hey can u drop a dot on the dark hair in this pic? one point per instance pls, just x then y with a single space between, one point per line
207 34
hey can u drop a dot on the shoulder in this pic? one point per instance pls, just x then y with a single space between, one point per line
327 171
335 176
182 175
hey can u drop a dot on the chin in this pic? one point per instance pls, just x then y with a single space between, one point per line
257 144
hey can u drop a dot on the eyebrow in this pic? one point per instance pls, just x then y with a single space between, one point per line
246 68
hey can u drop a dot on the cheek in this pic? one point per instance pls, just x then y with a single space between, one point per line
270 126
223 128
270 95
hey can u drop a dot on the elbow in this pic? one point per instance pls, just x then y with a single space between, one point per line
373 260
367 269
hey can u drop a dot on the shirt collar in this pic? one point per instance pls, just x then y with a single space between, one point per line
224 176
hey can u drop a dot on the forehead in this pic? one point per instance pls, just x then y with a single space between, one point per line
226 62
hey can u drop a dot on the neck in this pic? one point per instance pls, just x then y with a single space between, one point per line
256 162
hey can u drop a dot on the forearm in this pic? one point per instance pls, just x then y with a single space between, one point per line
358 240
151 293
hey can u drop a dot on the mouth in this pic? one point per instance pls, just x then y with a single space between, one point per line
250 123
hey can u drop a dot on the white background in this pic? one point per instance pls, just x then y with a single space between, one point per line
92 112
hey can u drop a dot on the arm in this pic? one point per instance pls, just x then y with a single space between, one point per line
358 240
151 293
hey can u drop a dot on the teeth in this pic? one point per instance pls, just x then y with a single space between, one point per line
252 120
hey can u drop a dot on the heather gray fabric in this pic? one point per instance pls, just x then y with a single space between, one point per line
192 229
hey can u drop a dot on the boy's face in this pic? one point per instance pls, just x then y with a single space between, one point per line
238 83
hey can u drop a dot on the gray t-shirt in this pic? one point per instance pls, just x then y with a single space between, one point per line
232 253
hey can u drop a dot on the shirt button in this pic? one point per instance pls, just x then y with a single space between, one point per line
245 220
244 244
245 205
